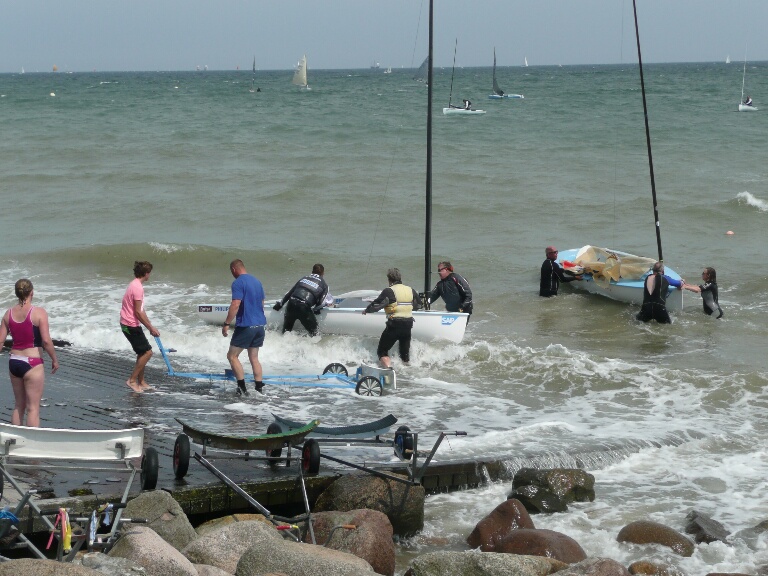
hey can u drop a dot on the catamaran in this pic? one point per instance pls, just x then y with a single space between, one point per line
615 274
745 105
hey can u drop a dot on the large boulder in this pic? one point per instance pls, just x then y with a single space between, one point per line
206 570
164 515
402 503
538 500
507 516
550 490
751 536
647 532
145 547
371 540
648 568
35 567
595 567
299 559
223 547
542 543
568 484
216 523
110 565
704 529
475 563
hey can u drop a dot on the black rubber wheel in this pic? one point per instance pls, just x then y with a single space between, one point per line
149 467
181 456
369 386
274 428
310 457
403 443
336 368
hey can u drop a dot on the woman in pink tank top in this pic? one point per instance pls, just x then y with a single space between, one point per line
28 326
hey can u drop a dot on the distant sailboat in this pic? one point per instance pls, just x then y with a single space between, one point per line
525 59
728 59
467 108
745 105
300 76
498 92
388 70
55 68
421 73
253 76
22 69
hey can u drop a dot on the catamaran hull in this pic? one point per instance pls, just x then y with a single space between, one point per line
745 108
628 291
462 111
497 97
428 326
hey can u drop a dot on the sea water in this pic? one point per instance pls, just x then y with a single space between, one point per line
190 170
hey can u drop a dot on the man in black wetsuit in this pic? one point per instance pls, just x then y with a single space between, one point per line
305 300
708 291
552 274
399 302
453 289
655 292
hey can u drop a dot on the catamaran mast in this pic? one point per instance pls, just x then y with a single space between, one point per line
428 227
648 137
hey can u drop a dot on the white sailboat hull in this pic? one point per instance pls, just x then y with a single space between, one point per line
461 111
498 97
745 108
348 319
627 291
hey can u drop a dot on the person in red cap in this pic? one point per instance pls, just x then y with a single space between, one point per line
552 274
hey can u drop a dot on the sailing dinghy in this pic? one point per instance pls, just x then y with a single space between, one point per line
467 109
615 274
743 106
498 93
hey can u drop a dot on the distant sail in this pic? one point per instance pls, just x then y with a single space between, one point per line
525 58
55 68
496 90
300 76
421 73
728 59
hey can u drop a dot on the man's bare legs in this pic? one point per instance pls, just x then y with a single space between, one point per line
136 381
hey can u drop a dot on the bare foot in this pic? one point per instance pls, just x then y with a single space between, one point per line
145 387
134 386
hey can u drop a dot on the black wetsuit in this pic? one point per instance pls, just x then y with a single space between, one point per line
551 276
455 292
397 329
709 299
304 300
655 303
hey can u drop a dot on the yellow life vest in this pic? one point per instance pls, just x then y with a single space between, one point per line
403 307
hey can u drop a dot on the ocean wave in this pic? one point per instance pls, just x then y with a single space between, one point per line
751 200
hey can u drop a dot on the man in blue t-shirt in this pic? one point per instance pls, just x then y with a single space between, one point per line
247 308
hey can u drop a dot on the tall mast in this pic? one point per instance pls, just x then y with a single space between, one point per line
428 227
648 137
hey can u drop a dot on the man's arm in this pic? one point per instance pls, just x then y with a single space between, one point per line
143 318
386 297
231 313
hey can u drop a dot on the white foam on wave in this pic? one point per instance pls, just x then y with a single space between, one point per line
752 200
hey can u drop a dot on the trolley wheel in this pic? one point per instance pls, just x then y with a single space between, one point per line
149 468
181 456
403 443
336 368
310 456
274 428
369 386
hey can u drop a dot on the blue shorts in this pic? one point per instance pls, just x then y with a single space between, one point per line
248 337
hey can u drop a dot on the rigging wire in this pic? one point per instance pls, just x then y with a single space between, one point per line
450 94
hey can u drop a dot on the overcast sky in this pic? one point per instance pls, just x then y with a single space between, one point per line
112 35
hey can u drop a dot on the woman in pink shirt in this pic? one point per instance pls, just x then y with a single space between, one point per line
28 326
